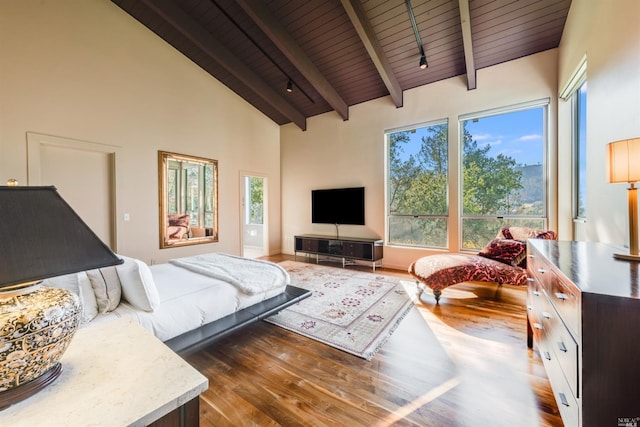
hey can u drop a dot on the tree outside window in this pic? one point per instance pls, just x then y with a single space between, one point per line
502 174
417 184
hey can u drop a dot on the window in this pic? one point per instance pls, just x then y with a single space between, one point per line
503 171
417 185
579 120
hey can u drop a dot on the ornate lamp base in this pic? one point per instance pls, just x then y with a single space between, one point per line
36 326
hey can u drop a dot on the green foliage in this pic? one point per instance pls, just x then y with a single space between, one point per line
257 200
418 184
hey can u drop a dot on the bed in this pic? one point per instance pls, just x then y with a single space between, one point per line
188 302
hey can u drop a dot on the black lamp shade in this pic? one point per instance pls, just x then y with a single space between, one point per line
41 236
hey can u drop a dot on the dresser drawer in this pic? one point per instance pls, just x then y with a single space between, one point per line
565 399
566 351
566 299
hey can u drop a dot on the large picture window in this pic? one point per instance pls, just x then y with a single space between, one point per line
417 185
503 172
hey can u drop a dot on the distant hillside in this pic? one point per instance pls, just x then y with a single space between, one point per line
532 183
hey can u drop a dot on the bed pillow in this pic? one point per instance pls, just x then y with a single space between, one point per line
138 287
106 287
508 251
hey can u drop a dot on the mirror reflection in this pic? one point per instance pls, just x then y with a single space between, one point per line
188 199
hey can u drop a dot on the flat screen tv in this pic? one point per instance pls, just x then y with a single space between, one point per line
338 206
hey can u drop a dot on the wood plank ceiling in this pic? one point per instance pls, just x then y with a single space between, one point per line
338 53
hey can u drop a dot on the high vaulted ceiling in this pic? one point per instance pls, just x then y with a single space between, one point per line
338 53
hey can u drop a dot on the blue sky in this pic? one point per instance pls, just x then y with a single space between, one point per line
517 135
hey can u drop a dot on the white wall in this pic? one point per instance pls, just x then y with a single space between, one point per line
336 153
609 34
86 70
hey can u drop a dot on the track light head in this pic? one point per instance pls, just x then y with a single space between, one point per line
423 62
290 86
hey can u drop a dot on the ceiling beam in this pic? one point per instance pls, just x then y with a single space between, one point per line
365 30
465 22
276 32
199 36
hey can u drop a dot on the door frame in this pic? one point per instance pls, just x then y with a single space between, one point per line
36 142
265 209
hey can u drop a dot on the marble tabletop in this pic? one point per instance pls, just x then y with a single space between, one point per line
114 373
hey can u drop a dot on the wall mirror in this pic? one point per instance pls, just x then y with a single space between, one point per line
188 199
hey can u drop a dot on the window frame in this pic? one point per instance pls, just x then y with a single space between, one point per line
545 104
576 151
419 216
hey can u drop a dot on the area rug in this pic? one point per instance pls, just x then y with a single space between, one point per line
350 310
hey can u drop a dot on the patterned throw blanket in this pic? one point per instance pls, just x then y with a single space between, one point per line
251 276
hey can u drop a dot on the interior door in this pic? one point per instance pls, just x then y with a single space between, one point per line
83 173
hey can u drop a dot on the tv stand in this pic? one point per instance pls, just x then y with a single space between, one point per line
348 249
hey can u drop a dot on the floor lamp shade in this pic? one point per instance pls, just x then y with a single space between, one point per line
623 165
40 237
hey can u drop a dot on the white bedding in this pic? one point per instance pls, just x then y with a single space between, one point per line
189 300
251 276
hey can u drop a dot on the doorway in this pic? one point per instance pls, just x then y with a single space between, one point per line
84 174
254 222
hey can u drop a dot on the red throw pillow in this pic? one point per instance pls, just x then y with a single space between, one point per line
508 251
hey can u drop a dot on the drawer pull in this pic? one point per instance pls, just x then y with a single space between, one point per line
562 347
536 293
529 308
538 326
541 270
547 355
561 296
563 400
530 279
546 315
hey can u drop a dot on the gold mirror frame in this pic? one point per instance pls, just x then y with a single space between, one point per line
188 200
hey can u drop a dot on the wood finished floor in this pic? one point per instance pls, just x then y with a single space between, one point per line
461 363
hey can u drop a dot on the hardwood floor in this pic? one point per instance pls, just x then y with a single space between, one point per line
461 363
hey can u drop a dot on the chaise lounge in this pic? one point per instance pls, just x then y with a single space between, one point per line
502 261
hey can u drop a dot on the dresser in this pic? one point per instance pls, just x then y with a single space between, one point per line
583 314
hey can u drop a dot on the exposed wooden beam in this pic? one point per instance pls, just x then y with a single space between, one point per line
364 28
192 30
268 23
465 22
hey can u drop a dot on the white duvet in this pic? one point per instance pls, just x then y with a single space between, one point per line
189 299
251 276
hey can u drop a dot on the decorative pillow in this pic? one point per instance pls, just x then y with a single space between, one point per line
106 287
508 251
90 306
75 283
138 287
179 220
524 233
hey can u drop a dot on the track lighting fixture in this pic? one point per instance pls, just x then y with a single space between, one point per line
412 18
290 86
423 62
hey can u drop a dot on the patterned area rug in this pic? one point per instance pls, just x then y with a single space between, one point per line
350 310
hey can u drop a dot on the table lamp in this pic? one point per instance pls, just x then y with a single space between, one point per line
623 161
40 237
